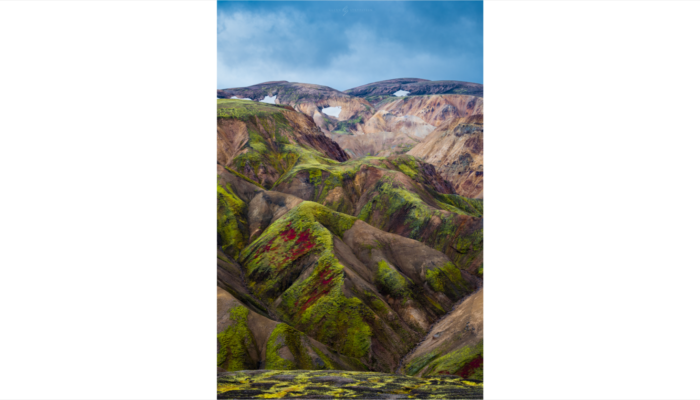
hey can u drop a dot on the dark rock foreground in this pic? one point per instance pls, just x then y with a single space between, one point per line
303 384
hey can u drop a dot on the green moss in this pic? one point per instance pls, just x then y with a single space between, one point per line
317 304
231 222
390 281
304 384
235 342
458 362
418 363
448 279
344 127
244 109
285 336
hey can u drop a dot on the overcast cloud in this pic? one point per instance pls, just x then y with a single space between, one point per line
347 44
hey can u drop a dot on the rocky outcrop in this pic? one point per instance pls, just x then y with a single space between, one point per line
342 384
456 148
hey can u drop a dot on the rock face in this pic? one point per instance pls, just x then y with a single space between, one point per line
331 262
456 148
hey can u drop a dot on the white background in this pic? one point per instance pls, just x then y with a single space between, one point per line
107 217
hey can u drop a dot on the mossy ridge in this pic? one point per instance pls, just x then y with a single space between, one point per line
269 149
329 173
418 363
447 279
236 342
391 282
316 305
245 109
285 336
307 229
231 221
319 307
466 362
417 204
391 199
449 236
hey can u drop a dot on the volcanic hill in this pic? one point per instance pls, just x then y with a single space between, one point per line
329 259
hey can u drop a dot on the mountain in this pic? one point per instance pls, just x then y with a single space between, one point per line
262 141
378 91
327 262
401 123
309 99
370 119
456 149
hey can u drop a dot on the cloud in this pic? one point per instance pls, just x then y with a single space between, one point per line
314 42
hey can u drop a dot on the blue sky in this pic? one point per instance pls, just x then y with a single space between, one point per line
347 44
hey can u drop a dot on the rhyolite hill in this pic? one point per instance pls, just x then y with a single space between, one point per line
333 259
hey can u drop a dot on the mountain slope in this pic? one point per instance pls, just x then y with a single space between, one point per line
326 262
454 345
456 149
309 99
330 276
399 194
262 141
377 91
406 122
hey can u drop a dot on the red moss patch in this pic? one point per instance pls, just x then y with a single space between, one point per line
469 368
321 287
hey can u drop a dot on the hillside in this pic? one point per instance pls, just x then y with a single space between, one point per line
310 100
327 262
456 149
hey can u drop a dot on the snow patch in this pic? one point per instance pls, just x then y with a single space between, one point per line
332 111
238 98
401 93
269 100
